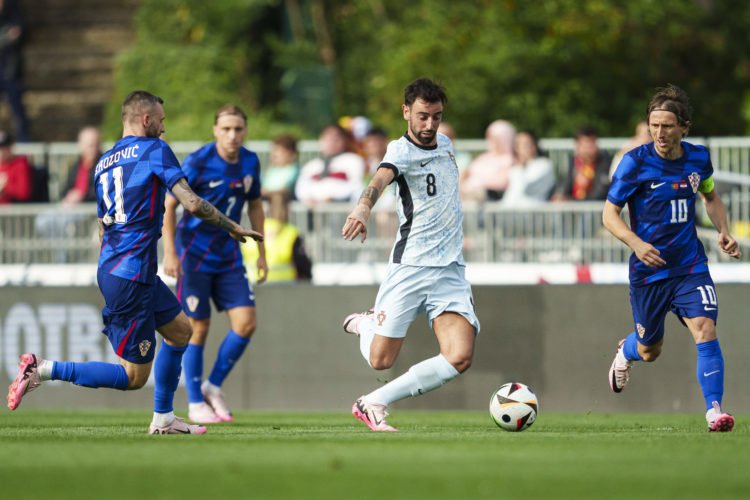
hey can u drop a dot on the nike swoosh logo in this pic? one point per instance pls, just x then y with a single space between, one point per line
706 374
214 184
374 419
706 308
367 413
654 186
423 163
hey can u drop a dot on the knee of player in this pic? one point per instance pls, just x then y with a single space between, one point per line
246 329
182 337
136 381
380 362
461 363
650 355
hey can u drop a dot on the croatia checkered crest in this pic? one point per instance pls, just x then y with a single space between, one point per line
514 407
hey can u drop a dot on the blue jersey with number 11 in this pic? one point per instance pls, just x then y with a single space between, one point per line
661 196
131 180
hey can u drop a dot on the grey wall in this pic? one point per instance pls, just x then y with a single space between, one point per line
558 339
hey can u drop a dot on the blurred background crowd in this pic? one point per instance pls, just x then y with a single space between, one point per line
544 99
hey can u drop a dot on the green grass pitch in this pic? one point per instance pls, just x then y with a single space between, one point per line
51 455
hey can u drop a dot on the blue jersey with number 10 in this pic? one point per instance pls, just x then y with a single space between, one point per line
131 180
226 186
661 196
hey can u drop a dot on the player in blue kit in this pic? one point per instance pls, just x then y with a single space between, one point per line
426 270
208 263
660 182
131 181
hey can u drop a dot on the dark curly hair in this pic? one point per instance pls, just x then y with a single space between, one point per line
671 98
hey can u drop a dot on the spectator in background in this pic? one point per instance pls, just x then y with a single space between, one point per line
11 83
588 169
532 178
79 186
374 145
463 158
286 257
281 176
336 176
641 136
62 224
15 173
486 177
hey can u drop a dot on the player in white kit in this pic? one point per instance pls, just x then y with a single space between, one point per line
426 271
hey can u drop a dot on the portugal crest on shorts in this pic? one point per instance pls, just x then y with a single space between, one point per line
641 330
144 346
381 318
695 180
192 302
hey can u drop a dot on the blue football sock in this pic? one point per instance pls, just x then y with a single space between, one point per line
230 351
167 368
192 365
710 370
630 348
91 374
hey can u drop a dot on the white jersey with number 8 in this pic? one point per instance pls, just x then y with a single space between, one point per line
429 206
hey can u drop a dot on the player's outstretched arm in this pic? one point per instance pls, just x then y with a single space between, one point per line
208 213
646 252
172 266
718 215
356 221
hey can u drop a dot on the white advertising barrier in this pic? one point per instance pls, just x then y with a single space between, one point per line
357 274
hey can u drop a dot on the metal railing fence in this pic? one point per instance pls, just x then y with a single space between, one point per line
569 232
556 232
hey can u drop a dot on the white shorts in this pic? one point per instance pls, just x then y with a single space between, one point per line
409 290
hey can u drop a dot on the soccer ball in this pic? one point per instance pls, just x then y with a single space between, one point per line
513 407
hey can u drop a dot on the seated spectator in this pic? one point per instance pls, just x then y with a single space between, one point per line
285 251
15 173
79 186
374 145
463 158
532 178
642 136
486 177
337 176
281 176
588 170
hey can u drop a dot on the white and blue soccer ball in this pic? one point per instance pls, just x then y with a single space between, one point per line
514 407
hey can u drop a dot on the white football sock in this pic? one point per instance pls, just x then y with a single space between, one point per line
366 330
45 369
421 378
162 419
209 387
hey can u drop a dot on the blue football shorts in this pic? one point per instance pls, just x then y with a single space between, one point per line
686 296
409 290
133 312
227 289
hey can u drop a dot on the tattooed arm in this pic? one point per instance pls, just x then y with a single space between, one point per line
356 221
208 213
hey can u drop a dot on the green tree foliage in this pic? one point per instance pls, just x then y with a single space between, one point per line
551 66
556 65
199 56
